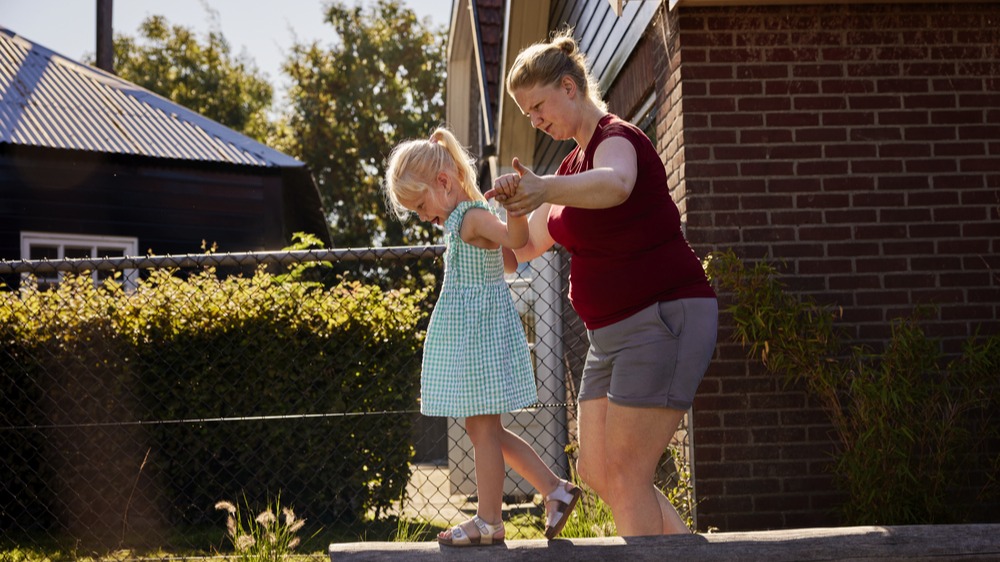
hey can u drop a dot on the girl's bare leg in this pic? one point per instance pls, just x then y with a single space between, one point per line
484 431
526 461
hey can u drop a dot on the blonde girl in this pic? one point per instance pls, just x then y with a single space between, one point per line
476 363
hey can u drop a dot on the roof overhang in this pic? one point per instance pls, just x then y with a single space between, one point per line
618 5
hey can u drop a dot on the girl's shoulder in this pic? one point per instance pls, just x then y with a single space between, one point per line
457 216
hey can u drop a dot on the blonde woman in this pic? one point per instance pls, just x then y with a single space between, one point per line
650 312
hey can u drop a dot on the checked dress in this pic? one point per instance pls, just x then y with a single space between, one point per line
476 358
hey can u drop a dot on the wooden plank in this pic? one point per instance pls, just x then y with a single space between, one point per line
884 544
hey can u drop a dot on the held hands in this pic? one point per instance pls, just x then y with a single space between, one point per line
521 192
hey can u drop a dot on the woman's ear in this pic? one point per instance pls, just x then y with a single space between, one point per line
568 85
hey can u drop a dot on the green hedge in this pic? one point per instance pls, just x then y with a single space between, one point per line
203 348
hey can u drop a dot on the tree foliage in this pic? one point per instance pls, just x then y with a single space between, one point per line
201 75
381 82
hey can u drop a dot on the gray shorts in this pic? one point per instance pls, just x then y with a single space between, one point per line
655 358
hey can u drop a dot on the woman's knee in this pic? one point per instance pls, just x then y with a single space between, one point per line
592 474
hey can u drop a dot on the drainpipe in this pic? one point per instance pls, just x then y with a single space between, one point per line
105 42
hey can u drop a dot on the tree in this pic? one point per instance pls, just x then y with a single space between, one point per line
350 103
202 76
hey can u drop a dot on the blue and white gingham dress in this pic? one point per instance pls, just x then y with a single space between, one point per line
476 358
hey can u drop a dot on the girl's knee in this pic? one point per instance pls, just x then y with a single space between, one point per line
481 428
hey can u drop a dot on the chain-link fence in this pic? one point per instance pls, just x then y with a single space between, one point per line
135 393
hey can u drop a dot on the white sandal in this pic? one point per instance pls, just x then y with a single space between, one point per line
565 496
488 534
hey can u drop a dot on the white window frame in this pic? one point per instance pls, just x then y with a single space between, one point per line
128 246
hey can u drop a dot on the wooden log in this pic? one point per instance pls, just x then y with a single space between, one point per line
921 542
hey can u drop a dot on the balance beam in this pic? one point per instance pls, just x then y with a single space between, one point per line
935 543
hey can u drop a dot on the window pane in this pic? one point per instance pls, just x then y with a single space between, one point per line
109 252
77 252
44 252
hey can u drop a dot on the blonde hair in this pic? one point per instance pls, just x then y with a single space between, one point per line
414 165
546 62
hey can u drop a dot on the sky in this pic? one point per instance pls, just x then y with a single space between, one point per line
262 29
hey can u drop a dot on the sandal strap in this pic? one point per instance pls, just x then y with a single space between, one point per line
487 532
458 533
561 493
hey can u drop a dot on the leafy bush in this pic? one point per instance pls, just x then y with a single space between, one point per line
916 431
313 361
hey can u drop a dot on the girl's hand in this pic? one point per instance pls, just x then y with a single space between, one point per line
529 193
504 187
520 192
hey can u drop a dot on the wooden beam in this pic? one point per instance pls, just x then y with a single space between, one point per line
928 543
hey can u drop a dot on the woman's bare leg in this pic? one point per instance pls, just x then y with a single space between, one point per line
591 426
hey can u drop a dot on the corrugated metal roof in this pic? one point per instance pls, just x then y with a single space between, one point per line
48 100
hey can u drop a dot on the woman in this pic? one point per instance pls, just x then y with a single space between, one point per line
639 288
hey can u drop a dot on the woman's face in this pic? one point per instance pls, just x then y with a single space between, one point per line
550 108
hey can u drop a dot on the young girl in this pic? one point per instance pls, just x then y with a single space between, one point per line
476 363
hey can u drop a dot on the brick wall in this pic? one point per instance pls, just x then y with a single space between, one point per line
859 146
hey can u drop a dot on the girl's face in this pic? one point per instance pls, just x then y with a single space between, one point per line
550 107
437 201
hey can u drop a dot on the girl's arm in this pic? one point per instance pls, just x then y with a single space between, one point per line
521 239
483 229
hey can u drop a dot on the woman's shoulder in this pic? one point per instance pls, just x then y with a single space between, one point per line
613 126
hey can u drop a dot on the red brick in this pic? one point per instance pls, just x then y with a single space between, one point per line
854 282
910 247
824 232
770 234
852 248
904 150
822 167
736 120
876 167
740 152
789 185
791 119
816 71
935 198
880 231
928 68
848 119
969 132
849 183
878 199
765 136
767 169
878 134
902 85
762 71
959 149
735 88
935 231
902 182
905 117
818 200
852 151
931 166
791 87
842 86
931 133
